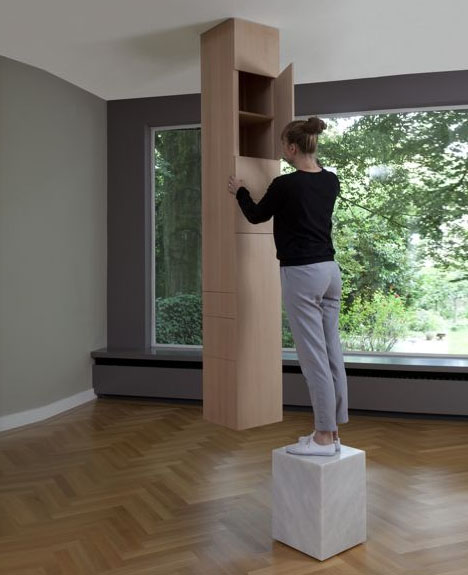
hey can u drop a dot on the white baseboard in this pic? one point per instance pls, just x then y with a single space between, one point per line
40 413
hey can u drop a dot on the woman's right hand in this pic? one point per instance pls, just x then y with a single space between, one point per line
234 184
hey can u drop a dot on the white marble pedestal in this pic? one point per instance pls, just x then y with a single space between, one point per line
319 502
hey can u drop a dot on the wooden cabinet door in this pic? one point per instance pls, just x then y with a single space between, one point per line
257 174
283 87
258 334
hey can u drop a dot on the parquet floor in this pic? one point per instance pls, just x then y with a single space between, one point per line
144 488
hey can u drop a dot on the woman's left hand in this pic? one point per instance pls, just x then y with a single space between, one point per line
234 184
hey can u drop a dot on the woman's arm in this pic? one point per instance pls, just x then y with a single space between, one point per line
266 207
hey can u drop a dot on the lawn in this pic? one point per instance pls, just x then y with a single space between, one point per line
458 341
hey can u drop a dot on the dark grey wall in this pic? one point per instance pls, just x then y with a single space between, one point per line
410 395
129 177
129 211
387 93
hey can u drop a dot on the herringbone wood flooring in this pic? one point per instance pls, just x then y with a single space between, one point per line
140 488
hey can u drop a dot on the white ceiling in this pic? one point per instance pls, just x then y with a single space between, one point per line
140 48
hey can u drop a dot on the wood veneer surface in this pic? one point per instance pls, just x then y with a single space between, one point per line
137 488
239 258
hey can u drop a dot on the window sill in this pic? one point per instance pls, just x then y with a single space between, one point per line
191 356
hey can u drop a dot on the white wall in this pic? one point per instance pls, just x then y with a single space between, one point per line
52 237
348 39
117 51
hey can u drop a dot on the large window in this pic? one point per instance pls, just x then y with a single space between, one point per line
177 201
400 231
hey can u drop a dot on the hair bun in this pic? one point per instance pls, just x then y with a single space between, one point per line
314 125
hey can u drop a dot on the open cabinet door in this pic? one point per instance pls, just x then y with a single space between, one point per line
284 105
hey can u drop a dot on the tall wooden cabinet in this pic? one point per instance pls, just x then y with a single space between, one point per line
245 105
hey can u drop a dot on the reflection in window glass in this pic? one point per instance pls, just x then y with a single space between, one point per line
400 232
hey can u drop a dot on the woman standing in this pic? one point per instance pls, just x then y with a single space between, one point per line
302 204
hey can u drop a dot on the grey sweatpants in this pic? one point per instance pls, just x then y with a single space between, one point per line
311 295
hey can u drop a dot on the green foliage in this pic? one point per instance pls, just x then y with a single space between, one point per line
177 178
441 291
287 337
373 324
409 172
426 321
179 320
400 225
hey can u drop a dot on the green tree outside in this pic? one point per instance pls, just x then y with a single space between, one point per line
400 229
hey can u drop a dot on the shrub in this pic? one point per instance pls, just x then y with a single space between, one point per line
426 321
375 324
286 331
179 319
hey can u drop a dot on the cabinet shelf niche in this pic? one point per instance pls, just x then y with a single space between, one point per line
249 118
256 139
256 116
256 93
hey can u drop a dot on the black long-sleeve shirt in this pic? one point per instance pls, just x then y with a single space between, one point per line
301 204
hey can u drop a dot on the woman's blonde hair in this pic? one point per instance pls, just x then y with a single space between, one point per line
304 133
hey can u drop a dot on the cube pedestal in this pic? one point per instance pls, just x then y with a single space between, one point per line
319 502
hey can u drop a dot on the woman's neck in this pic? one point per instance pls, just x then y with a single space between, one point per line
306 163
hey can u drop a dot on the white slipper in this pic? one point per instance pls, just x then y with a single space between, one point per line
305 439
310 447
